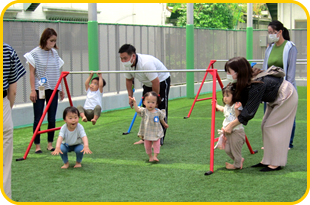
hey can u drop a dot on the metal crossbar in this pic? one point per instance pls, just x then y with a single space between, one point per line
137 71
64 74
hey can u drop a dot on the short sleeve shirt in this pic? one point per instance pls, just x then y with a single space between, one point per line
150 127
93 99
72 137
148 62
47 65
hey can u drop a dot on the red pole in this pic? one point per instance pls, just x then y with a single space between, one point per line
43 115
213 121
211 63
219 80
249 146
68 92
203 80
49 130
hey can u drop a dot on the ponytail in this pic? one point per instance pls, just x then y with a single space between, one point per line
278 26
285 34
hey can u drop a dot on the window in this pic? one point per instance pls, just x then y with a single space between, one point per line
301 24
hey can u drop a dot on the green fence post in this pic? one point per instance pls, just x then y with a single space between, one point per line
249 32
249 43
190 60
93 50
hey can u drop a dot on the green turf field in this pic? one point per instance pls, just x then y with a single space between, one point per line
118 170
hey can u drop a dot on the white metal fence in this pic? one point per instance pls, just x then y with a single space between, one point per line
166 43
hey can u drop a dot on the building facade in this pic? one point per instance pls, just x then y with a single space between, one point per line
116 13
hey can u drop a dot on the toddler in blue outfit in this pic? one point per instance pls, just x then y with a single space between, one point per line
72 137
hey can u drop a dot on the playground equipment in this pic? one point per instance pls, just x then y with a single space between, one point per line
216 76
64 74
133 120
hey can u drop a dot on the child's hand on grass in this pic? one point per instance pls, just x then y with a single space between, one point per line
57 151
86 150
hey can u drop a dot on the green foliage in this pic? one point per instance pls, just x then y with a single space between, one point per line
214 15
208 15
258 8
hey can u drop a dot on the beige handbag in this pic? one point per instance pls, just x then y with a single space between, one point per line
274 71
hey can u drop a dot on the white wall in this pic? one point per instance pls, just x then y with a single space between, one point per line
284 15
146 14
122 13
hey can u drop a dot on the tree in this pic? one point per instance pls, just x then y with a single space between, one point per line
214 15
208 15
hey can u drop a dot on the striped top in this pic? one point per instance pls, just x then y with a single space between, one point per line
13 69
47 65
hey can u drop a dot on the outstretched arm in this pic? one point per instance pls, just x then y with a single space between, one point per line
218 107
88 80
137 109
100 82
86 149
58 143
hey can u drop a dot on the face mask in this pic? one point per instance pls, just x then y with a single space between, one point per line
230 79
273 38
127 64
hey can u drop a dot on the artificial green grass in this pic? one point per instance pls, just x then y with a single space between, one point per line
118 170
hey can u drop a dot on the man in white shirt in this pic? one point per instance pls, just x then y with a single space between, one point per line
158 82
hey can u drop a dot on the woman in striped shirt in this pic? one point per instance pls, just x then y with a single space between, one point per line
44 66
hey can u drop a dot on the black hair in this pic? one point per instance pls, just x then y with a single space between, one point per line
72 110
97 78
229 89
129 49
152 93
278 26
245 74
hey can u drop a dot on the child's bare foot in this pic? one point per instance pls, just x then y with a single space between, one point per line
65 166
93 121
84 119
155 159
151 159
229 166
242 160
77 165
139 142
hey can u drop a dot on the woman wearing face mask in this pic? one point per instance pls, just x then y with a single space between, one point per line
251 88
281 53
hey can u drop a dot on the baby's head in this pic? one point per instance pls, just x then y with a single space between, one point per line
151 100
70 110
94 84
228 95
